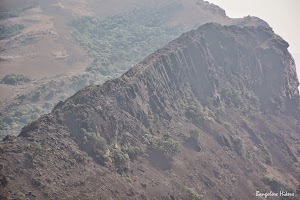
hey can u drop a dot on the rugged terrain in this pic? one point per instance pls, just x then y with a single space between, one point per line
212 115
61 46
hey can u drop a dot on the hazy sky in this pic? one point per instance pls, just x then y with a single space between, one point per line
282 15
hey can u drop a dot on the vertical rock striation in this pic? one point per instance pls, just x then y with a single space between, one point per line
225 96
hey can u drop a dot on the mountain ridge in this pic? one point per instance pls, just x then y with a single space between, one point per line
48 38
211 115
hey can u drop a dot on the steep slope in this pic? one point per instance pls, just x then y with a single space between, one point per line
214 115
70 44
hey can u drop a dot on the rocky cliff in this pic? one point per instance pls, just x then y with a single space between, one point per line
212 115
50 49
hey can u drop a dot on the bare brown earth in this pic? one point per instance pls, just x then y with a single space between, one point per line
36 51
8 91
237 87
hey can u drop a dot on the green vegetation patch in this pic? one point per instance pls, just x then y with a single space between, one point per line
165 145
118 152
15 79
193 140
15 12
193 195
11 123
41 100
117 43
204 114
10 31
109 150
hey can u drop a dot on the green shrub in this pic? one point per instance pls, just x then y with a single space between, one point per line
80 81
36 149
199 113
15 79
164 145
193 195
51 94
37 95
94 140
192 140
269 160
191 112
194 134
228 126
19 195
119 157
268 155
239 146
78 157
99 109
47 106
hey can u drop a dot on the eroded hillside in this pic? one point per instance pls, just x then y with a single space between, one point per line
63 46
212 115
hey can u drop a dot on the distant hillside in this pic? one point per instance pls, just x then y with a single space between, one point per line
212 115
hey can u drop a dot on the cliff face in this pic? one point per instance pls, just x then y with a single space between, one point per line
48 38
214 66
213 114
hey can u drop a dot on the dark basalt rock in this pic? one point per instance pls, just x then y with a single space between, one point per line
233 84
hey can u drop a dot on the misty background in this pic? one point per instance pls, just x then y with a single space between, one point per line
282 15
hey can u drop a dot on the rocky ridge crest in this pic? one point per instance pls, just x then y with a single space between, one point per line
212 114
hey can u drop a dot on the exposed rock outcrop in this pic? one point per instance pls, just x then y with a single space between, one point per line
231 90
